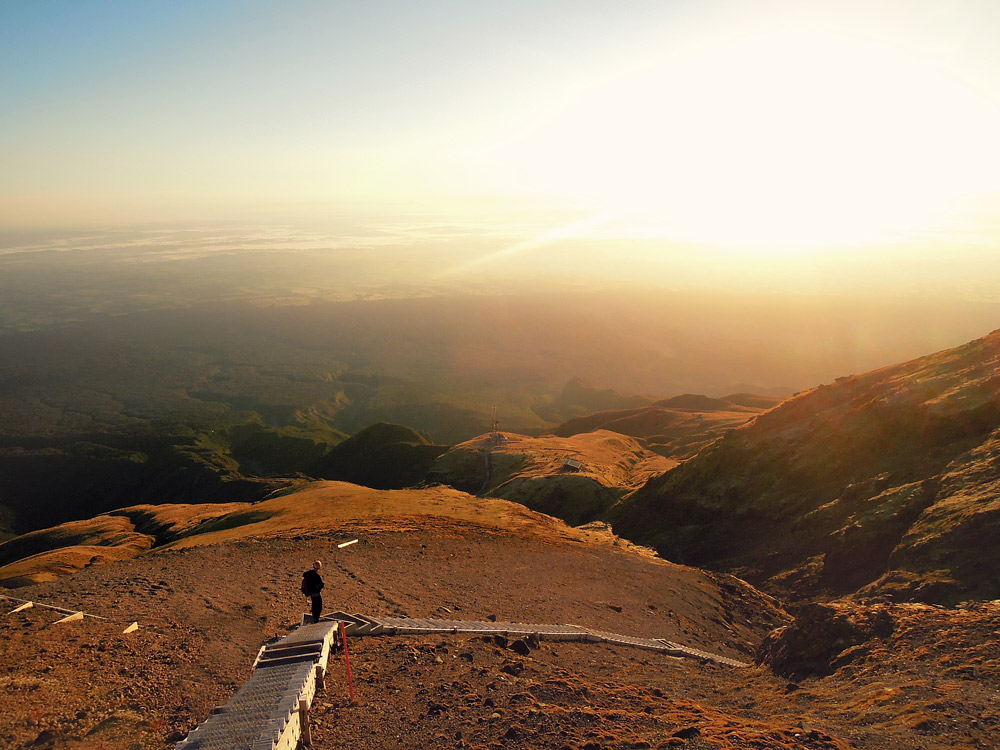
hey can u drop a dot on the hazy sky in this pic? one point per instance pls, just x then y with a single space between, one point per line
770 129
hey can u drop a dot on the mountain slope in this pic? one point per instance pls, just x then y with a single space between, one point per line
574 478
883 677
678 427
887 482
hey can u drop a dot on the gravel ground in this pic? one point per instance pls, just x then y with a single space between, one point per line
204 611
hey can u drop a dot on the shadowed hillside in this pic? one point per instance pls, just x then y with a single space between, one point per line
884 483
383 456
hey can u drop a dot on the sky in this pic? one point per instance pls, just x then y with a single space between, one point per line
757 132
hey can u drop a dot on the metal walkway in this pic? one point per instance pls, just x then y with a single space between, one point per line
265 714
368 625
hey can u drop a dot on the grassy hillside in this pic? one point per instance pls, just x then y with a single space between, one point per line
576 478
383 456
882 483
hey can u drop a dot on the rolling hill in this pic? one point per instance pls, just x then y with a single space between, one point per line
574 478
677 427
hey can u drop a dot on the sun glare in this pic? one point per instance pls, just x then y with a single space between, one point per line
781 140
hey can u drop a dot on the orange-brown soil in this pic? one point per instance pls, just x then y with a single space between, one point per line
926 678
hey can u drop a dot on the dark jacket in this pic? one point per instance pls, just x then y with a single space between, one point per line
312 584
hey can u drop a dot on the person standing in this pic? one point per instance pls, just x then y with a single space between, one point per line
312 586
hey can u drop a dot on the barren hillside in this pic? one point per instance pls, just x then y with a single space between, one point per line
889 677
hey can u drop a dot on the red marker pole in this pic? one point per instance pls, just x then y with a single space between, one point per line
347 659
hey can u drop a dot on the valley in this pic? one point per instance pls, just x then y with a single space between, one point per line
179 469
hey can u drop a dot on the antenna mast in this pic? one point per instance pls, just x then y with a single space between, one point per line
495 437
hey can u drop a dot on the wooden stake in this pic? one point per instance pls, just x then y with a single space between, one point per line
26 605
131 628
347 659
70 618
347 544
304 722
319 677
